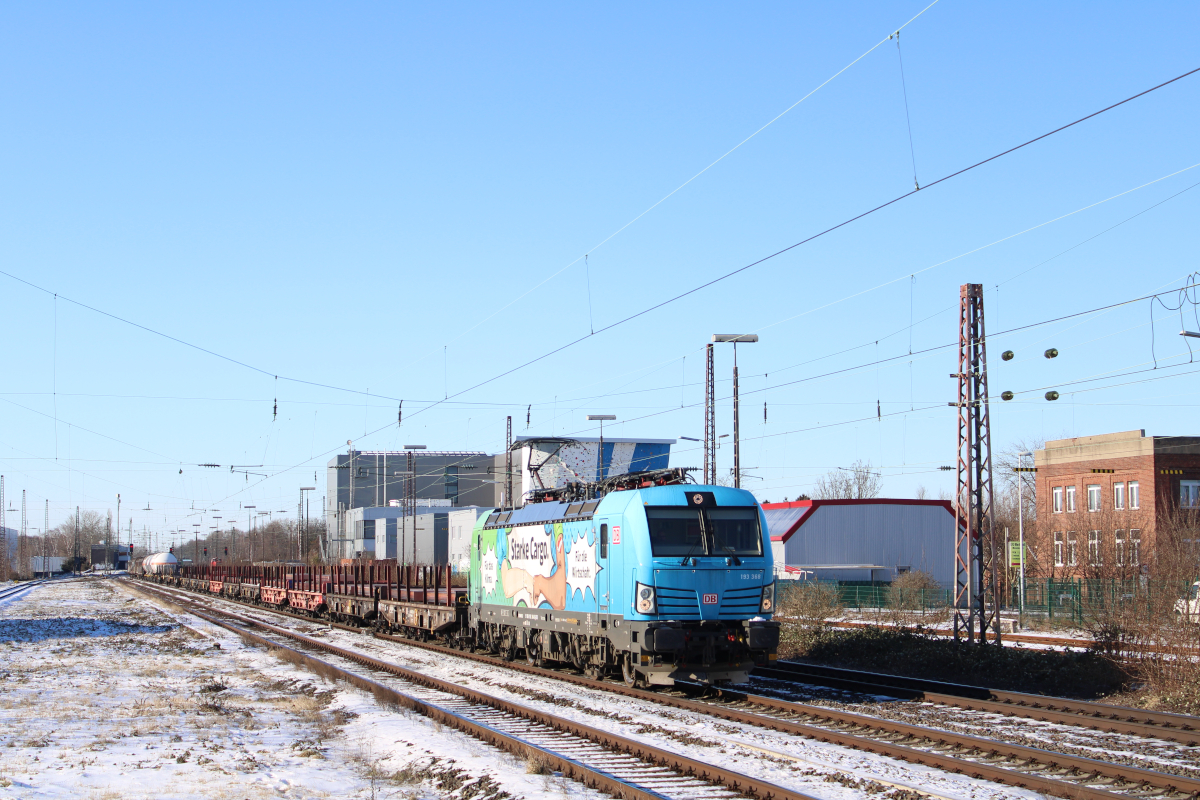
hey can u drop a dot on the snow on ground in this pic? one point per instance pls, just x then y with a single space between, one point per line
823 770
104 696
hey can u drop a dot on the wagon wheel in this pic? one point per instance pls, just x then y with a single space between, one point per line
628 673
533 656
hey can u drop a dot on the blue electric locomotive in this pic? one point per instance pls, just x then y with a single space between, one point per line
660 582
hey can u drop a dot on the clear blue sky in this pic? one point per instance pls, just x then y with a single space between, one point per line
337 193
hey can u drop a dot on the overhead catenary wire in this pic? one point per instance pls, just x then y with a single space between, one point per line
317 384
907 118
925 351
817 235
118 318
810 378
683 185
947 176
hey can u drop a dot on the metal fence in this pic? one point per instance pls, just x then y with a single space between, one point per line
1076 601
863 596
1081 600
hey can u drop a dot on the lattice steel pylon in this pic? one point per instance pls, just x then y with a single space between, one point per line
508 476
975 556
710 420
3 536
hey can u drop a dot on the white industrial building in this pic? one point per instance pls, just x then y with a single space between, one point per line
460 523
443 533
862 540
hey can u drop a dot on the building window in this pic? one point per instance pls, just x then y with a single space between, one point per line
1119 547
1133 495
1093 491
1058 549
451 482
1058 499
1070 499
1135 547
1189 494
1072 550
1094 548
1119 496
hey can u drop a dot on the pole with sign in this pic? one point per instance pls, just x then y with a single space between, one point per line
1021 468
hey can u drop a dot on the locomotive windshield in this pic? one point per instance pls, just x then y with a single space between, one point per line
676 531
730 531
734 531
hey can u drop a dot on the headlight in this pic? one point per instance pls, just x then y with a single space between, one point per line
768 598
644 602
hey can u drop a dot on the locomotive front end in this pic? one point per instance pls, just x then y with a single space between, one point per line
702 589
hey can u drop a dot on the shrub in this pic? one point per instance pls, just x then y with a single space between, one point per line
804 611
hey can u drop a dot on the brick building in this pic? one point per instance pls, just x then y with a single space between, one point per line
1101 498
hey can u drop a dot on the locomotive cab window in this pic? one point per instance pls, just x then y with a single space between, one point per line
687 532
676 531
734 531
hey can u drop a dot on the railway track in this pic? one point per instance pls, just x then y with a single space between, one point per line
622 767
1022 638
1178 728
14 590
1042 770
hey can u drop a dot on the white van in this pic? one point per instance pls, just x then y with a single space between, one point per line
1188 608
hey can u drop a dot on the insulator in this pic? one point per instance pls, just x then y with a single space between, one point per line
1007 395
1052 352
1051 395
1007 355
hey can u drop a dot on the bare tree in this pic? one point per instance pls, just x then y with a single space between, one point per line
858 482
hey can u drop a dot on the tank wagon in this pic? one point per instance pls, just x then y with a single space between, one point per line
160 564
643 575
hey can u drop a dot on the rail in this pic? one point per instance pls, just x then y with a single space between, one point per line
688 770
1033 768
1179 728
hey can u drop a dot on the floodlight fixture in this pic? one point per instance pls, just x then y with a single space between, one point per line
1192 334
736 338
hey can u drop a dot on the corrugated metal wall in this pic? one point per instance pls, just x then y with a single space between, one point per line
917 537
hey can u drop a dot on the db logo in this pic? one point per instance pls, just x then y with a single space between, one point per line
710 599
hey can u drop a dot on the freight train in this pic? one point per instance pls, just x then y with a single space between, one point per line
644 575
